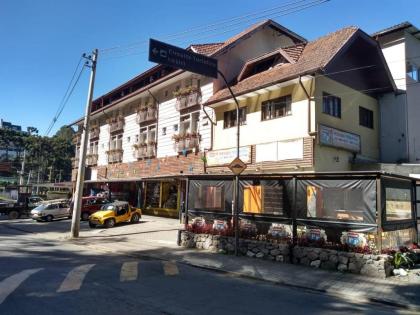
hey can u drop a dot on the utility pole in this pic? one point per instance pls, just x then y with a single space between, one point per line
22 170
78 194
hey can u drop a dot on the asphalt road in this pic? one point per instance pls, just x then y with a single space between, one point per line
45 276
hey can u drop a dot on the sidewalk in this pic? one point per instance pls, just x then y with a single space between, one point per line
156 238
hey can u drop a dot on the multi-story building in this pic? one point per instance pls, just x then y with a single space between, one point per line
308 106
400 111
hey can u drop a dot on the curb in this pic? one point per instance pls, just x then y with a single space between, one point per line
358 299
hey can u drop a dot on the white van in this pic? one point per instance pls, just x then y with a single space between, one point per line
50 210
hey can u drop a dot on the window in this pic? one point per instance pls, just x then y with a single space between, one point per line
413 71
365 117
93 148
189 123
263 199
335 203
331 105
398 203
229 119
176 127
164 131
210 198
152 135
116 142
276 108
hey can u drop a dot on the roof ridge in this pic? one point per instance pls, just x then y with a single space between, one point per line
335 32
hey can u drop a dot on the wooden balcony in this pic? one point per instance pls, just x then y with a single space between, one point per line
140 151
186 143
147 115
75 162
91 159
151 150
116 125
77 138
115 155
188 100
94 133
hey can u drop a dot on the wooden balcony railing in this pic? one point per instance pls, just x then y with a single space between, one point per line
77 138
91 159
184 101
187 142
94 133
75 162
115 155
146 115
140 151
116 125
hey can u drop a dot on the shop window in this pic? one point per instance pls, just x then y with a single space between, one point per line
210 198
152 195
365 117
335 203
398 203
263 199
229 118
169 195
331 105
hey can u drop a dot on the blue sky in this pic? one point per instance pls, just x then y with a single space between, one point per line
41 41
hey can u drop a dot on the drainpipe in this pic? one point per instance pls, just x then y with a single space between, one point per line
309 104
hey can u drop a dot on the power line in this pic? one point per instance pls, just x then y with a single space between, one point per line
220 22
66 96
225 29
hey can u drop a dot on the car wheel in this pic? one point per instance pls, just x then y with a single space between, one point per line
92 225
135 218
85 216
49 218
109 223
13 215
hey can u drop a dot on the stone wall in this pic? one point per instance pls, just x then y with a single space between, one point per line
226 245
378 266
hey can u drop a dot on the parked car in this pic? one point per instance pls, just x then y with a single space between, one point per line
90 205
113 213
50 210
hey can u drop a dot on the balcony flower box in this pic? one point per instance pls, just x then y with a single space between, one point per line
187 97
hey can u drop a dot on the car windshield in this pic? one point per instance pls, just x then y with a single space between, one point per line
42 207
108 207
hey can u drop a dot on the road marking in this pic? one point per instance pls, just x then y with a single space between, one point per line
129 271
10 284
170 268
74 278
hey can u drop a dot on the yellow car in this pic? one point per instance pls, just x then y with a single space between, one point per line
113 213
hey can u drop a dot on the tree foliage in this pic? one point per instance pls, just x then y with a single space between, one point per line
47 155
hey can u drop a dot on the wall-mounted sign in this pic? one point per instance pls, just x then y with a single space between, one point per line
225 157
339 139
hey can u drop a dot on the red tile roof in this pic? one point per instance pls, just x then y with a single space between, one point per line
295 51
315 56
206 49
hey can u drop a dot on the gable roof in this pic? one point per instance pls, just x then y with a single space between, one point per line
395 28
252 29
314 56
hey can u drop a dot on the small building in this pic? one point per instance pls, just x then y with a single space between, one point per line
400 110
